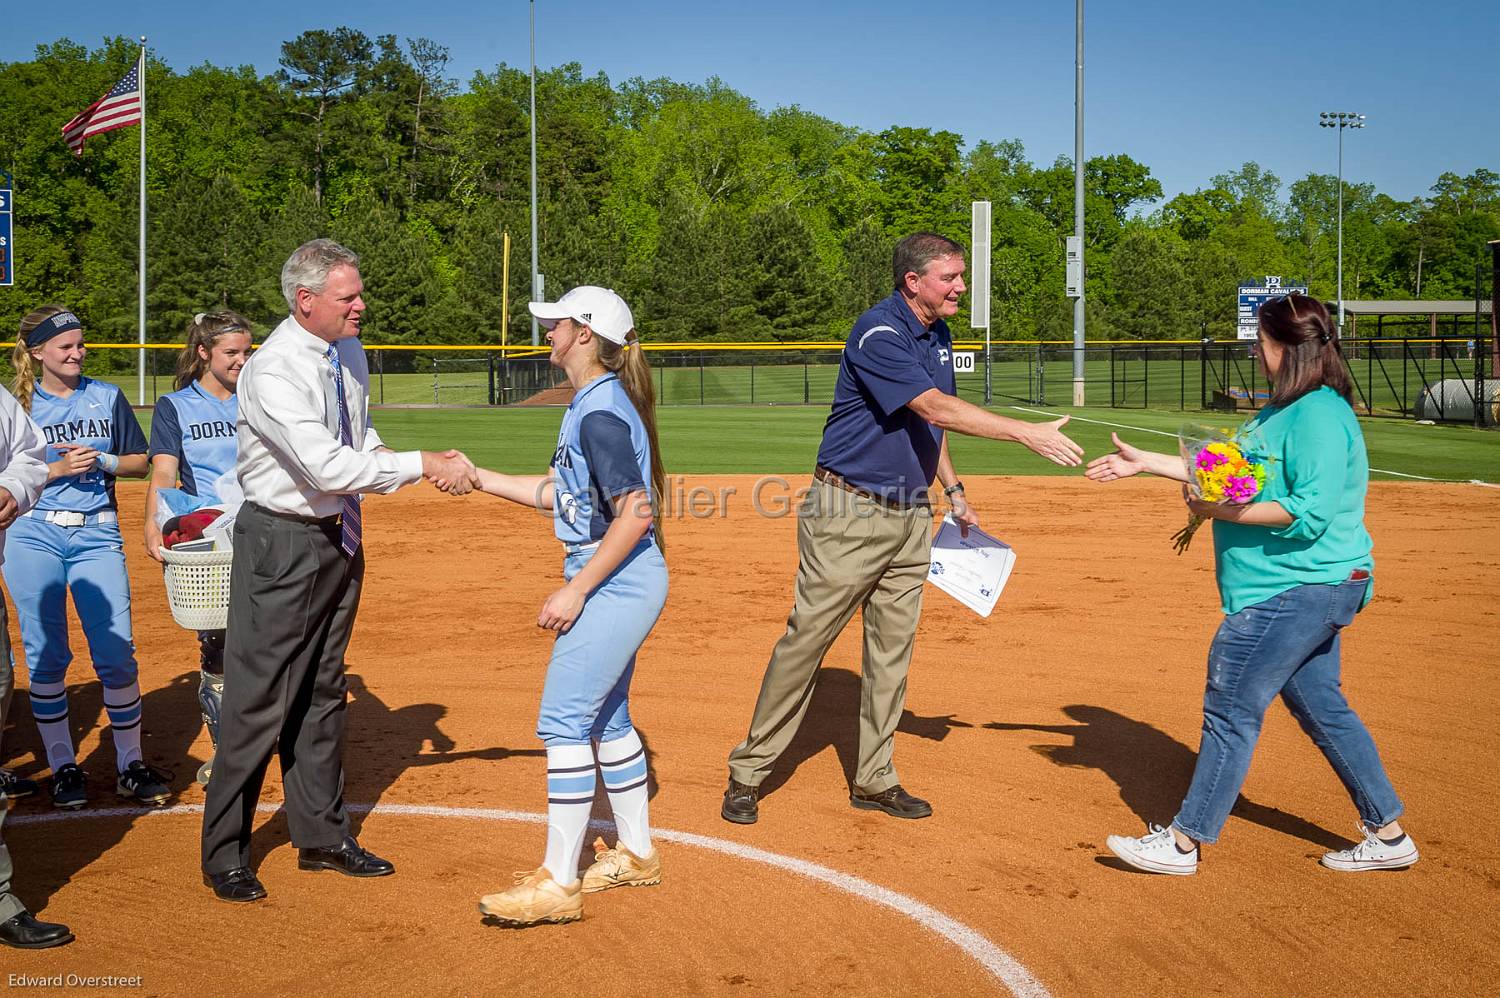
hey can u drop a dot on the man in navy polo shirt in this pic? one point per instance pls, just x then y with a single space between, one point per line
864 535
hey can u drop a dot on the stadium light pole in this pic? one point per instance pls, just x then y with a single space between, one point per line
1340 120
1078 313
535 290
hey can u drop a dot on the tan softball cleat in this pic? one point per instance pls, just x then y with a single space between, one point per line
536 898
619 867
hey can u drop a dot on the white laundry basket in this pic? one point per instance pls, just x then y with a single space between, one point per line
198 588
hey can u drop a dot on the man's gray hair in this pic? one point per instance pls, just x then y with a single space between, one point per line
916 251
309 265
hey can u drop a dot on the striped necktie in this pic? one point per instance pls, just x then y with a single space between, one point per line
349 536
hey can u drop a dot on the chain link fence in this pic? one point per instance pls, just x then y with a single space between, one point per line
1443 379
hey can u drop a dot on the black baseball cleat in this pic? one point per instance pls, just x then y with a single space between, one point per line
143 783
347 858
70 787
741 803
894 801
25 931
15 787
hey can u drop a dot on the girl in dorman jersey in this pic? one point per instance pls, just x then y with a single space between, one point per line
70 541
193 443
605 472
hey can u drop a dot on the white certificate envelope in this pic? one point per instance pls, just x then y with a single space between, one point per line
973 569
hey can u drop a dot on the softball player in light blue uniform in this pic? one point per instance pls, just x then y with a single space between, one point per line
193 441
71 541
604 473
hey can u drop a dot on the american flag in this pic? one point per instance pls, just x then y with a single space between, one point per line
119 108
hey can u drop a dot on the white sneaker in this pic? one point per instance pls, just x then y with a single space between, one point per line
1373 854
1155 852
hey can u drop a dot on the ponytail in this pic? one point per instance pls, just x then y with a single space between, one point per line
629 363
204 332
24 383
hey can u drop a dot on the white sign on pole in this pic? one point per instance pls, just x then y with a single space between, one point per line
963 361
979 269
1075 267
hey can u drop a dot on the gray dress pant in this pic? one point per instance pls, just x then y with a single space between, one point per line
293 595
10 905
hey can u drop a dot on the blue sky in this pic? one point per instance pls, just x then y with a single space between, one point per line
1189 88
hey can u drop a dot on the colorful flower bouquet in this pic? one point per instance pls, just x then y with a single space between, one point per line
1221 469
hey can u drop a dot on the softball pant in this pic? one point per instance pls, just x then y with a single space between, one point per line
587 692
43 562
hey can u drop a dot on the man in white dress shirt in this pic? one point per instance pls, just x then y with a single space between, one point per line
23 474
306 453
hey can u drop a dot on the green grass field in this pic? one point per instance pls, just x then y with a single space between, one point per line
784 440
708 427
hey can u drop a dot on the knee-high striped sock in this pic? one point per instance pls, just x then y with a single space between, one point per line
49 705
123 705
623 763
570 797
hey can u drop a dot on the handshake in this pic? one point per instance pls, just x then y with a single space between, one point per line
450 471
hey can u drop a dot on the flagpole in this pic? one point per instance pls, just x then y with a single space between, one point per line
140 390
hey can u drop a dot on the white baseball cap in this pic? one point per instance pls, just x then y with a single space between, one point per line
600 309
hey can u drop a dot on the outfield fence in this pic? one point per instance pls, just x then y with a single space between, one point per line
1442 378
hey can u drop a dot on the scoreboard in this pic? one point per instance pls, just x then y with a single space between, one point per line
7 261
1254 294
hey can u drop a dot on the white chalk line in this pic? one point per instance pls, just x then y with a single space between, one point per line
1000 964
1165 433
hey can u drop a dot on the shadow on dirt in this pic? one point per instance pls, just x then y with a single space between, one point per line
1151 768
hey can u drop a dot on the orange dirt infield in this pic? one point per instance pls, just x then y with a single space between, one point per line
1070 714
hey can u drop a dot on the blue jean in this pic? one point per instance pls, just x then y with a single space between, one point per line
587 693
1289 645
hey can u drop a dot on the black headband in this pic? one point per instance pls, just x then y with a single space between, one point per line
56 325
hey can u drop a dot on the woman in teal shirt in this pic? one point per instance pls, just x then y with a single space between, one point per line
1293 568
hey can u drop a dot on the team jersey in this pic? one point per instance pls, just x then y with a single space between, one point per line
96 415
198 430
602 452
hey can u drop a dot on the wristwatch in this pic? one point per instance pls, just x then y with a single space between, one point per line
955 487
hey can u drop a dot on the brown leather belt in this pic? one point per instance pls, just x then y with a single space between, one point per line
833 478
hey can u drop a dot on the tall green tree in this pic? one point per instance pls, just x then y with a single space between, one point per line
786 282
318 68
198 267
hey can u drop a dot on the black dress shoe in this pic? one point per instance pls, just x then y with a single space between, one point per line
239 884
347 858
894 801
25 932
741 803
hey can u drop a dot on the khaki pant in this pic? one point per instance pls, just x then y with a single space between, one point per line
852 553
